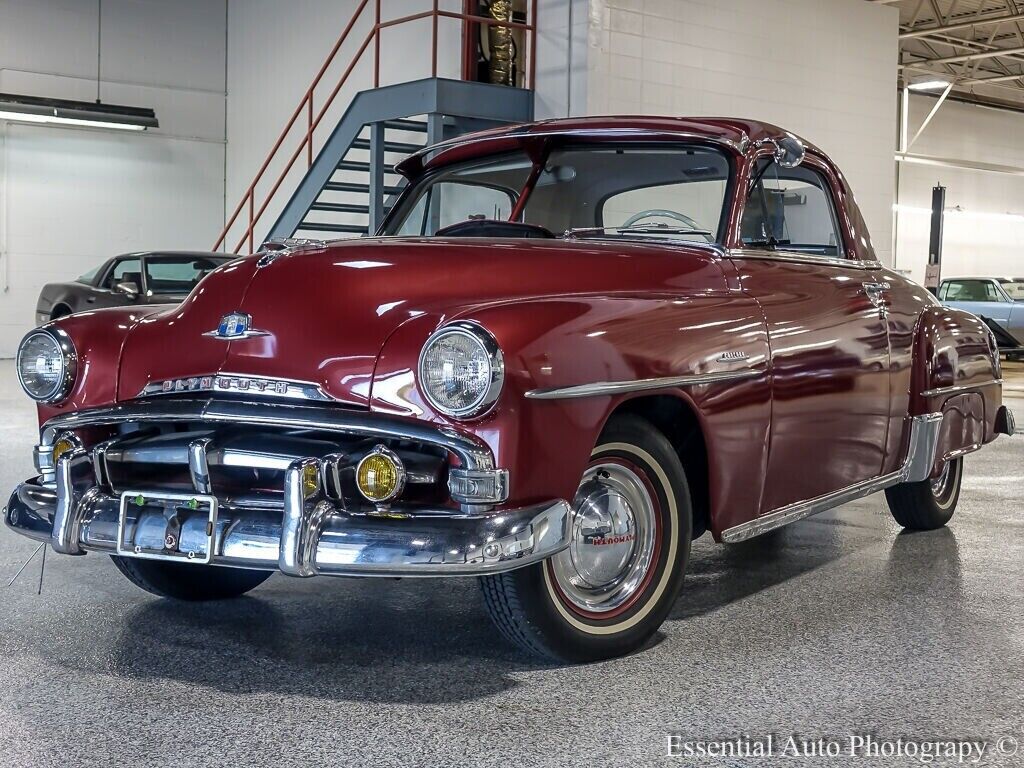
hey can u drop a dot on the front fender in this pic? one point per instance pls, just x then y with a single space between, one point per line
98 336
567 341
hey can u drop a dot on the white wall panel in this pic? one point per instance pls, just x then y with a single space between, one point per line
70 198
984 226
272 59
825 69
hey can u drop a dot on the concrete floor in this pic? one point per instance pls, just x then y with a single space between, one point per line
838 624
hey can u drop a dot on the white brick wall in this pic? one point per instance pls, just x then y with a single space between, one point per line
825 69
986 236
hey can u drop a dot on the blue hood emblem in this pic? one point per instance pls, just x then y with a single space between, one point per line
237 325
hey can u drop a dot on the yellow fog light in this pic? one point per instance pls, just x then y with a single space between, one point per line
380 475
310 480
62 446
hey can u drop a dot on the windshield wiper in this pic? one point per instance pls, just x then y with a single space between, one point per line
638 229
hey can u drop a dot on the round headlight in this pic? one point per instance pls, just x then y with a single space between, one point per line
461 370
46 364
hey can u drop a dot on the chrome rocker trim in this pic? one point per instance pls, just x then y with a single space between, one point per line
301 537
638 385
924 442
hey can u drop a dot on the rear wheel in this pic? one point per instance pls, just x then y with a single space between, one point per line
182 581
929 504
608 593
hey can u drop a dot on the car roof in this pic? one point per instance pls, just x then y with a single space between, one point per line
976 276
734 132
176 255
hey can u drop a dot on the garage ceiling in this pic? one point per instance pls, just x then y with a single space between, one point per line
977 44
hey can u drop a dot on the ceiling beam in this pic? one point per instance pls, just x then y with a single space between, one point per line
996 79
960 25
973 56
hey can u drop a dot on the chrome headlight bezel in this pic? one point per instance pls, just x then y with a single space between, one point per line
69 363
496 379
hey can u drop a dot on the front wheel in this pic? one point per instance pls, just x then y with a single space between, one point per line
929 504
608 593
183 581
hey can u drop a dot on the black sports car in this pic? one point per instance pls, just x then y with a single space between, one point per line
150 277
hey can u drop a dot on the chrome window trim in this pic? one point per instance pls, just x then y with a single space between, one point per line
802 258
639 385
953 389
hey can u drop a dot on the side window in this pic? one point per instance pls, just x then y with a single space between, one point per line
791 209
130 267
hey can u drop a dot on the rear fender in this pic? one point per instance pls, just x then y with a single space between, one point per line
956 373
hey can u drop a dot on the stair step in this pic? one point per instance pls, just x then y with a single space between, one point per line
348 186
322 226
340 208
402 124
389 146
361 167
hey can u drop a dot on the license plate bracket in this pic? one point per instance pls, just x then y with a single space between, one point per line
182 513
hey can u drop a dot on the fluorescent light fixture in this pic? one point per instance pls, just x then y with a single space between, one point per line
928 84
32 109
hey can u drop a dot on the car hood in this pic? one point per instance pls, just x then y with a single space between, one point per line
324 314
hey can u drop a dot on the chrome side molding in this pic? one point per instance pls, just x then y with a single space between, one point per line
639 385
924 441
954 389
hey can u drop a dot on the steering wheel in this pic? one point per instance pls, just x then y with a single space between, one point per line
664 213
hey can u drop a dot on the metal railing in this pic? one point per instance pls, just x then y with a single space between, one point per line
314 117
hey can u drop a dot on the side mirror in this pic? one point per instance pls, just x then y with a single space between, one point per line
130 290
789 152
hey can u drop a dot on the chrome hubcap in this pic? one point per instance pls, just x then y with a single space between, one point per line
940 484
613 540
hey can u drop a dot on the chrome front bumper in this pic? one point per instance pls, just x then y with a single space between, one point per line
76 507
303 539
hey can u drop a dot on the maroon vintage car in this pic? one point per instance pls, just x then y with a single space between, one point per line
574 347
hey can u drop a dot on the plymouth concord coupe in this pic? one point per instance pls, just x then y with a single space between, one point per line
145 278
573 347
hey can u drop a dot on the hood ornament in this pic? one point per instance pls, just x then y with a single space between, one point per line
282 246
236 325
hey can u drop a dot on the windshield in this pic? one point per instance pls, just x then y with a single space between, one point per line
175 275
628 191
89 278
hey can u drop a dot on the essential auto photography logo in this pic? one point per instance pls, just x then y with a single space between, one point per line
901 750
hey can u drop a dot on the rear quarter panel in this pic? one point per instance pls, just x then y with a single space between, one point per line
956 372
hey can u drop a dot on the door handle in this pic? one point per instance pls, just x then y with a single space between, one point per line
91 299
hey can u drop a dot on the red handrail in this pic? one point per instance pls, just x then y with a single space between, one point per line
313 121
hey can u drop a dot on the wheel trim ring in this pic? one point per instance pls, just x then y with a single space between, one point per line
942 485
652 566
